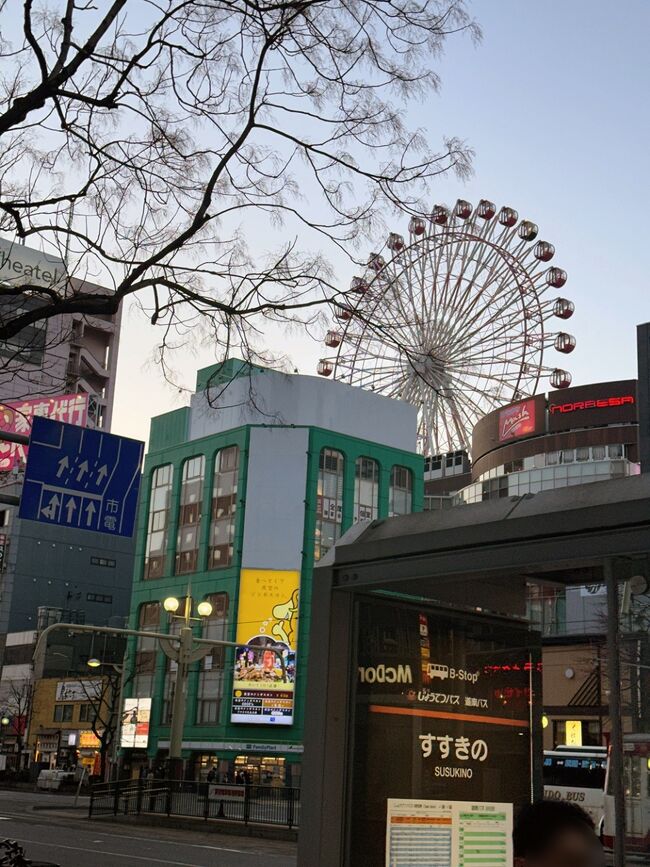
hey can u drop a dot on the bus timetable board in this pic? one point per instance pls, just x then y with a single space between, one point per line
442 714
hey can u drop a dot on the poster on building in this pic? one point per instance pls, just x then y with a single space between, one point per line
448 833
443 704
79 690
136 717
17 418
265 660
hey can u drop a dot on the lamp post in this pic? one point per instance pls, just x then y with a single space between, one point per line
184 654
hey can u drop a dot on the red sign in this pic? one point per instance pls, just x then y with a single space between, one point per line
600 403
17 418
517 420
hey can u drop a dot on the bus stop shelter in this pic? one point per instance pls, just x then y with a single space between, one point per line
424 681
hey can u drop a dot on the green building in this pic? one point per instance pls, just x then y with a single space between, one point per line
242 492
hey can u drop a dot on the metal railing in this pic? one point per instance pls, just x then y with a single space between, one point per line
247 804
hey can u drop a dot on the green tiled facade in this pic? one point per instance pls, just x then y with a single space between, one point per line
169 444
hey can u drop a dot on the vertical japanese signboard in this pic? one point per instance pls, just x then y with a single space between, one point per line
442 715
265 669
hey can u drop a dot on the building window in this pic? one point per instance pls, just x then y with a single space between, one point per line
189 515
158 528
582 453
401 491
102 561
366 490
615 451
598 453
99 597
63 712
144 669
567 456
329 501
224 508
87 713
211 674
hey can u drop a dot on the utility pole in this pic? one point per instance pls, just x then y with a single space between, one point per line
616 743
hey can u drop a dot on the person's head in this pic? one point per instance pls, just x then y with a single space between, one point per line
555 834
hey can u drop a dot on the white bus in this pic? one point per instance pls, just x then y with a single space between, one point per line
577 775
636 782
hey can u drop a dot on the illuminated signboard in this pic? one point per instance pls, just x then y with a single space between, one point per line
599 403
604 403
136 718
265 669
517 420
17 418
442 714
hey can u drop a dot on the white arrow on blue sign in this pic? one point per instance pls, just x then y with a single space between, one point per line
81 477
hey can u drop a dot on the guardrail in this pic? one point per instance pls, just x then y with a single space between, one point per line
262 805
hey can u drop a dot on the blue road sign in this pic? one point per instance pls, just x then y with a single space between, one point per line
79 477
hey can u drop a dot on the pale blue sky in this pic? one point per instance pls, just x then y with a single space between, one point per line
554 102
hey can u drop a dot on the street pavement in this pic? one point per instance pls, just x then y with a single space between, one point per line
50 830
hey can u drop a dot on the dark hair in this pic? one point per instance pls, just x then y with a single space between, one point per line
539 824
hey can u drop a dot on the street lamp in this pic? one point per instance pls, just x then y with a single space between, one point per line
184 653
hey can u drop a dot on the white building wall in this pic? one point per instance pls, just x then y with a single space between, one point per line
275 498
274 398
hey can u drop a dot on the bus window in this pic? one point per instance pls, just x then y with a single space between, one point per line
577 772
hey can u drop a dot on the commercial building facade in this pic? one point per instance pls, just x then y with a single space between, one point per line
242 492
572 437
63 368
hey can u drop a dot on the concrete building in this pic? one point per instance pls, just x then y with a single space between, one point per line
243 491
70 354
64 368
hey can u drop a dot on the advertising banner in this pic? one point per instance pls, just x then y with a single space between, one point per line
17 418
267 617
79 690
442 713
448 833
136 717
517 420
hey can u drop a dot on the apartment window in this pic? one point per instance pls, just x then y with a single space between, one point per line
598 453
366 490
146 649
87 713
582 453
224 508
401 491
211 674
63 712
329 501
158 527
189 515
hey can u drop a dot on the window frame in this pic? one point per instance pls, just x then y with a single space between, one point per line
330 518
359 479
188 520
225 520
158 522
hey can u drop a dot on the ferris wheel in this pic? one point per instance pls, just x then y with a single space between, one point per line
456 319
